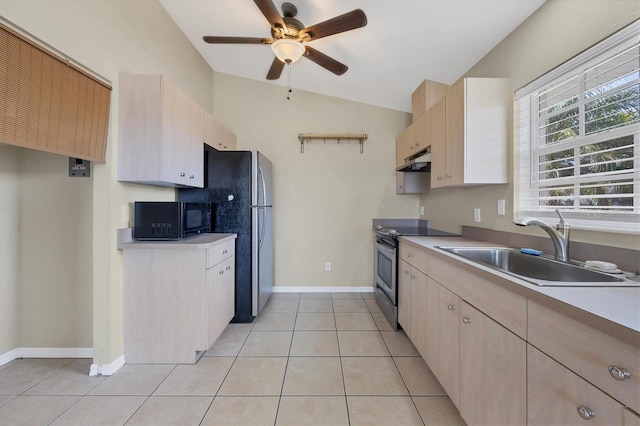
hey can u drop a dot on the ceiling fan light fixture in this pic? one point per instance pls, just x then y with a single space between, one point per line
287 50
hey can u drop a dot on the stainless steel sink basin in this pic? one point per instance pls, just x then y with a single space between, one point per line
536 269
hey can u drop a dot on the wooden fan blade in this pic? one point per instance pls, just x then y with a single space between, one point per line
270 12
276 69
325 61
236 40
339 24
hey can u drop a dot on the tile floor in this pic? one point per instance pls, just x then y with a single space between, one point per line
308 359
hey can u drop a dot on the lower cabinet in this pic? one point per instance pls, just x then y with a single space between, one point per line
178 297
443 337
404 296
493 371
418 333
557 396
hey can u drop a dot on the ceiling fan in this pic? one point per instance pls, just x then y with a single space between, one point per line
289 34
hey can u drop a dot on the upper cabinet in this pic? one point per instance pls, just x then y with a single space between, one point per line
160 133
217 136
477 113
465 128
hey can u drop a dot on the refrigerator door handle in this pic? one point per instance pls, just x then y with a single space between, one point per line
264 198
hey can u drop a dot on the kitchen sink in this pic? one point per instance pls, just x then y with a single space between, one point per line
539 270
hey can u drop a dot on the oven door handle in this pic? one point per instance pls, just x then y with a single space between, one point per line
384 243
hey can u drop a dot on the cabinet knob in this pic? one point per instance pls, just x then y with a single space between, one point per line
220 272
409 255
191 177
585 412
224 251
451 307
182 175
405 272
228 268
412 277
439 177
619 373
466 320
448 176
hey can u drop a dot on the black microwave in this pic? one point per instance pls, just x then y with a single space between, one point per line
170 220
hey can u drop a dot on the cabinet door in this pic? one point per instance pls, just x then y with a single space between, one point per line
438 143
229 286
175 158
422 131
405 144
557 396
229 140
455 134
212 131
404 296
443 337
220 279
193 144
493 371
418 312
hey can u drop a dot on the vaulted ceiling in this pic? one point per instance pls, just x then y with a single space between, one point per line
403 43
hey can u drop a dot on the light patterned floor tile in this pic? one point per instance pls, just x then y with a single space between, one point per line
381 321
315 305
242 411
313 376
361 343
171 410
134 379
316 295
346 295
21 374
350 305
100 410
355 321
372 376
281 305
34 410
372 305
228 344
383 410
314 343
312 410
315 321
267 343
203 378
73 379
255 377
275 321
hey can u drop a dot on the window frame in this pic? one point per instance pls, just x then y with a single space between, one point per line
526 123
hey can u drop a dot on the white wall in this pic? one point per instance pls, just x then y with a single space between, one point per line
324 199
557 31
9 245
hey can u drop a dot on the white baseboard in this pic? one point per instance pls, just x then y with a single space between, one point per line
16 353
285 289
107 369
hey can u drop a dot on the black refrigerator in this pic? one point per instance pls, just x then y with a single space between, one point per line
239 186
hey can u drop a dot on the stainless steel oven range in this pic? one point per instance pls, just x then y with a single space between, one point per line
385 274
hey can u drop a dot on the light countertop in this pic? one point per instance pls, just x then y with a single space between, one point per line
202 241
620 305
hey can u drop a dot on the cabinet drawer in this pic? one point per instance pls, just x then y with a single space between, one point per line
220 252
413 256
555 395
587 351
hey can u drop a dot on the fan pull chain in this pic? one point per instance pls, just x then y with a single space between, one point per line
288 79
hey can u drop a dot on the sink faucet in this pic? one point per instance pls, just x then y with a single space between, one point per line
559 235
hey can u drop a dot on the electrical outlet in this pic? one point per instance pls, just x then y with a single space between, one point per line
421 210
476 215
327 266
501 208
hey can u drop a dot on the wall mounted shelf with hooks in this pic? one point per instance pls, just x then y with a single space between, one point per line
307 137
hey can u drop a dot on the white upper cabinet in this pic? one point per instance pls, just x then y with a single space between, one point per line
160 133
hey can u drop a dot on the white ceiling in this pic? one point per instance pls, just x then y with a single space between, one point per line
404 42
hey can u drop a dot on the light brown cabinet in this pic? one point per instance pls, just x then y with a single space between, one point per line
493 371
217 136
438 143
557 396
160 133
476 117
405 144
425 96
178 297
443 337
404 296
422 132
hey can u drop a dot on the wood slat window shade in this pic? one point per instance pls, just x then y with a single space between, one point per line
48 105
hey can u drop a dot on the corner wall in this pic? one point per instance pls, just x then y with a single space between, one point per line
557 31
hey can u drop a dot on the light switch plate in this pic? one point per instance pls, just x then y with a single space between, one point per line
501 207
476 215
421 210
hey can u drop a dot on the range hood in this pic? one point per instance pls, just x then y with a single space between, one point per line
421 163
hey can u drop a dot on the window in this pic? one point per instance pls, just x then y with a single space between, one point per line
578 131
